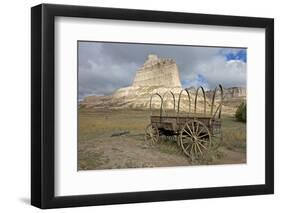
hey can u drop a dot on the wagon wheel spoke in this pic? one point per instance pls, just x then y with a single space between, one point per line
191 149
193 128
186 140
188 129
187 132
204 141
186 148
200 131
194 149
202 145
201 136
197 144
186 144
154 138
197 127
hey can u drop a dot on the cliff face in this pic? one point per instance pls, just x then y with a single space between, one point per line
231 93
157 75
235 92
157 72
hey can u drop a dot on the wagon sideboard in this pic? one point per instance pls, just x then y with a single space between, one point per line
176 123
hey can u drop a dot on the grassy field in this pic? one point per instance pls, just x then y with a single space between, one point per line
111 139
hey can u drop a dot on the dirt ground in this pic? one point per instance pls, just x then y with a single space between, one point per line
112 139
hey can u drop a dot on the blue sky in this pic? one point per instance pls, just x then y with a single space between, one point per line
105 67
236 55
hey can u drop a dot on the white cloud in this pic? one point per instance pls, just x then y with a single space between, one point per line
219 71
104 78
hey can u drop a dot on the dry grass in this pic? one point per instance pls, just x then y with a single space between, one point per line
97 149
234 134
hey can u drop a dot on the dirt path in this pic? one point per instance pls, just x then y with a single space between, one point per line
129 152
101 146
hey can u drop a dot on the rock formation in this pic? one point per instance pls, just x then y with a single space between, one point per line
235 92
157 72
158 75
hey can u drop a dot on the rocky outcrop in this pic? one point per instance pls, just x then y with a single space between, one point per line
160 76
157 72
235 92
157 75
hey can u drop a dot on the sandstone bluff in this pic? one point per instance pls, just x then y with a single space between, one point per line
157 72
159 75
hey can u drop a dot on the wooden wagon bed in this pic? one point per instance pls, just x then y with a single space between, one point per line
176 123
193 130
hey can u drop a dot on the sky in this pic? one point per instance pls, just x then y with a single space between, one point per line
104 67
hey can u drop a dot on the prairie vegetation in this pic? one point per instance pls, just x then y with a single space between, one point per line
111 139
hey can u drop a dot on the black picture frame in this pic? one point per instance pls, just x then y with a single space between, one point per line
43 102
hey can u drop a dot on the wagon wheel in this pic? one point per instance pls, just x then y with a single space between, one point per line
151 134
195 138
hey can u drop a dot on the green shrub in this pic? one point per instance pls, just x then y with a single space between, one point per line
241 112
